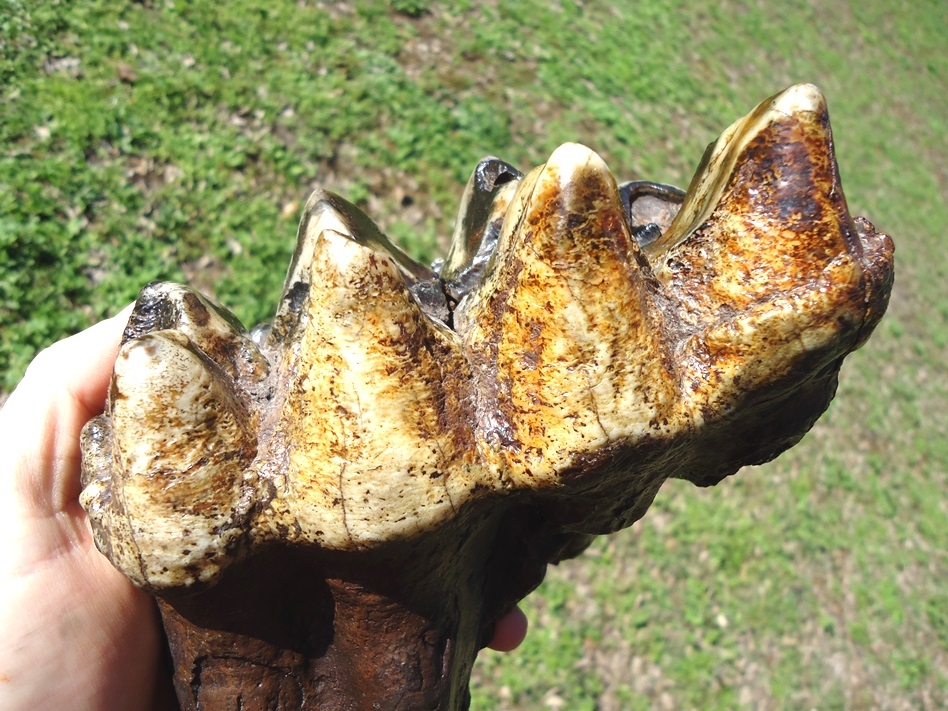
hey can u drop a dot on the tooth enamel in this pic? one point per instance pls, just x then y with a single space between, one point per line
483 205
569 328
764 213
718 165
182 440
363 419
209 326
763 345
327 211
472 252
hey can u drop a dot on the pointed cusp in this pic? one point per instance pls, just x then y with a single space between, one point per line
376 419
478 224
764 213
181 443
773 280
564 335
324 210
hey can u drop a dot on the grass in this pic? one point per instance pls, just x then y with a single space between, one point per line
177 140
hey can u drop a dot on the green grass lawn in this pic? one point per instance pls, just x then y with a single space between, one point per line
173 139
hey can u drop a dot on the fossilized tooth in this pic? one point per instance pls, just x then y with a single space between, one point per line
770 275
179 436
325 210
182 441
411 448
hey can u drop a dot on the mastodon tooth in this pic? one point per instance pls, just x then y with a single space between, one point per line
582 370
478 225
764 212
324 210
165 306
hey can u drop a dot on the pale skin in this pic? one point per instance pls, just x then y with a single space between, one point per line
74 633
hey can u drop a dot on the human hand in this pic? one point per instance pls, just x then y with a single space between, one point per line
74 633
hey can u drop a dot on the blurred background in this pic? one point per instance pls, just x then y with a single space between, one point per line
168 139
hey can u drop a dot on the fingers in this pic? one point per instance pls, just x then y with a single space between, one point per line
83 363
40 423
510 631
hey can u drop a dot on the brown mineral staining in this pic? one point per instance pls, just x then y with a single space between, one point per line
335 514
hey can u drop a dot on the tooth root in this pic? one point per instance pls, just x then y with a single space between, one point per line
211 327
375 421
565 335
764 212
181 442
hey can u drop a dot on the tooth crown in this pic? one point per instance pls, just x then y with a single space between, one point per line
774 220
554 358
565 335
375 443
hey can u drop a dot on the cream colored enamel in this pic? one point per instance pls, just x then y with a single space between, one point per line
318 215
578 340
199 319
765 344
576 378
181 443
368 459
111 527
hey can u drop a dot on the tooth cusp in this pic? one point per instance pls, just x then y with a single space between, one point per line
182 440
477 228
567 333
764 214
373 434
164 306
